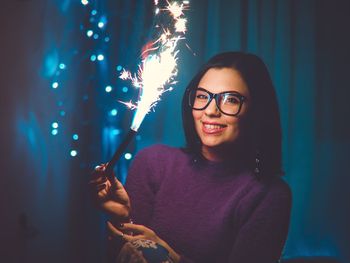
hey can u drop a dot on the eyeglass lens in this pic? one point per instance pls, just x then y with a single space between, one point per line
228 103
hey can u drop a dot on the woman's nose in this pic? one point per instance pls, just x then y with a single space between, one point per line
212 109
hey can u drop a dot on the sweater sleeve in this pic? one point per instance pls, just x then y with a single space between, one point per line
141 186
264 226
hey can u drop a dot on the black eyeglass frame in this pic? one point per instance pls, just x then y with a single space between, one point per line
215 96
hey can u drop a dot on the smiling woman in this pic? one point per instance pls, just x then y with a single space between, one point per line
219 199
219 122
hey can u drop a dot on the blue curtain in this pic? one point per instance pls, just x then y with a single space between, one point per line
46 213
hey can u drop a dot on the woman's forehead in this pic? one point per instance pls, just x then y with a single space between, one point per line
218 80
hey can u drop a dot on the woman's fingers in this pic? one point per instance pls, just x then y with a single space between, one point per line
100 187
98 181
115 232
139 229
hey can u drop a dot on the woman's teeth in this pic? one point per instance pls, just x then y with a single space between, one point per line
213 126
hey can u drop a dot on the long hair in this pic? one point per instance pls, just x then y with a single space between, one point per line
263 127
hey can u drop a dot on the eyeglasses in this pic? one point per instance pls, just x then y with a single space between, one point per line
228 102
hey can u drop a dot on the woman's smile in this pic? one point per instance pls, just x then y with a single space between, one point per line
213 128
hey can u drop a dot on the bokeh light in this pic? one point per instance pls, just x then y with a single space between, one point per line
108 89
89 33
54 125
128 156
114 112
54 85
93 57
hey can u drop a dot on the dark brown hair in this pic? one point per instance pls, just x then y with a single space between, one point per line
264 123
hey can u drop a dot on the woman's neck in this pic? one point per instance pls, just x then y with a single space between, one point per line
226 153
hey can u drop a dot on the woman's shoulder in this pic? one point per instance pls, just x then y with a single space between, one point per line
276 190
258 189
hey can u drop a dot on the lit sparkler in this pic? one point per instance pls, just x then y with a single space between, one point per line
157 69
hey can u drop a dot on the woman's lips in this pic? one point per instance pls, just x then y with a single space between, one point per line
212 128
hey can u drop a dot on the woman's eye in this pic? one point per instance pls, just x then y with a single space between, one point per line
201 97
231 100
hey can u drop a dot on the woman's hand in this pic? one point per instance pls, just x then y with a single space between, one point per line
131 232
109 194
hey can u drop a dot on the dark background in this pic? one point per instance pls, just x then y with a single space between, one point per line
46 215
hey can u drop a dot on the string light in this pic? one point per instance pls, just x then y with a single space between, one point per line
115 132
108 89
89 33
54 85
54 125
128 156
114 112
93 58
95 30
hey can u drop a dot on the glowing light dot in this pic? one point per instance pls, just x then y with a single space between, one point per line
93 12
100 57
125 89
106 39
157 11
101 24
127 156
89 33
95 36
119 68
73 153
54 125
114 112
54 132
93 58
54 85
62 66
115 132
108 89
75 137
62 113
84 2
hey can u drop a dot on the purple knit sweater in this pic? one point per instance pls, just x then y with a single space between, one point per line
206 211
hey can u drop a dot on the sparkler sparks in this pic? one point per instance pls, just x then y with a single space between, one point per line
158 67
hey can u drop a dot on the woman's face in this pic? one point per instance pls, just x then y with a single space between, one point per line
214 128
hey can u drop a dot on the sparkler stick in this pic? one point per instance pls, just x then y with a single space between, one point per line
158 69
